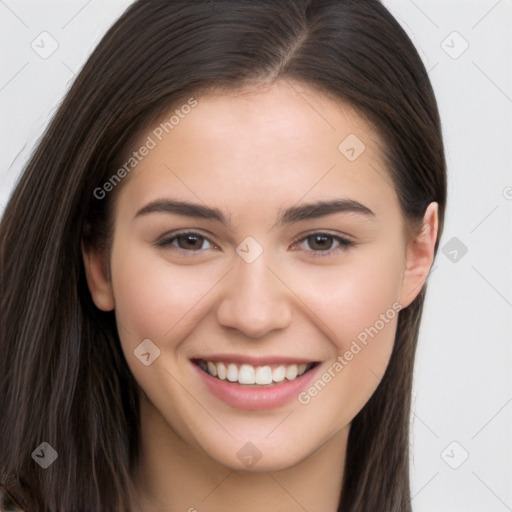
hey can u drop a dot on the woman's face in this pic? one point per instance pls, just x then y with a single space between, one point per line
301 264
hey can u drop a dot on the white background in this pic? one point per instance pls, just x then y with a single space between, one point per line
463 382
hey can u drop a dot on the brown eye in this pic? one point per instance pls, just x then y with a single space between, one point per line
185 241
192 242
321 244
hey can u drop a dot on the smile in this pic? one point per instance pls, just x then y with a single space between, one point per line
250 375
253 384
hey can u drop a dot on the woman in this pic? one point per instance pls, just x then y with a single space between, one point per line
214 265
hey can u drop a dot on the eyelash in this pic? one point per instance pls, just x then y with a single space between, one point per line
344 243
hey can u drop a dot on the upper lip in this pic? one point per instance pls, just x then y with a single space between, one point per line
253 360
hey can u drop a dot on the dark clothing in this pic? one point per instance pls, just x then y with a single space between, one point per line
12 497
8 502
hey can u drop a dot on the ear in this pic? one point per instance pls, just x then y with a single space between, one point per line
98 279
419 256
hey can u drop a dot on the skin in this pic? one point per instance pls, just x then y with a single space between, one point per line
253 153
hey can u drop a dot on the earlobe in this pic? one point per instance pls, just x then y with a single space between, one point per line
420 256
98 281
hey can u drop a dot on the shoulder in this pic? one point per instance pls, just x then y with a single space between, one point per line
7 501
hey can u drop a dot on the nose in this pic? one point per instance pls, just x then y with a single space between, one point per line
255 300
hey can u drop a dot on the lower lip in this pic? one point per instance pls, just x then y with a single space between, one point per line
256 398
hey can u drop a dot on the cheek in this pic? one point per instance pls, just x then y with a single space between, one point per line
359 313
352 296
154 297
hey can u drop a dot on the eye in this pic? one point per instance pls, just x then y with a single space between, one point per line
187 241
192 242
322 244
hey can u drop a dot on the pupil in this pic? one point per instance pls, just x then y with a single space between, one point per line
190 239
320 238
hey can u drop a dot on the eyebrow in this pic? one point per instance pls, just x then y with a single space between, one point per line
289 216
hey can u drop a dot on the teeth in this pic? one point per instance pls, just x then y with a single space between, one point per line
221 371
212 369
232 374
264 375
246 374
250 375
279 374
291 372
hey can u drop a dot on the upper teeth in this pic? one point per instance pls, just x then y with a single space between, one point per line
248 374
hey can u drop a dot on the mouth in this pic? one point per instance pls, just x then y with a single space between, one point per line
254 384
251 375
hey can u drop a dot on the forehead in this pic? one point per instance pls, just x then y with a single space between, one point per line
270 144
288 118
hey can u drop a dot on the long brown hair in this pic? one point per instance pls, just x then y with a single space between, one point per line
63 377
